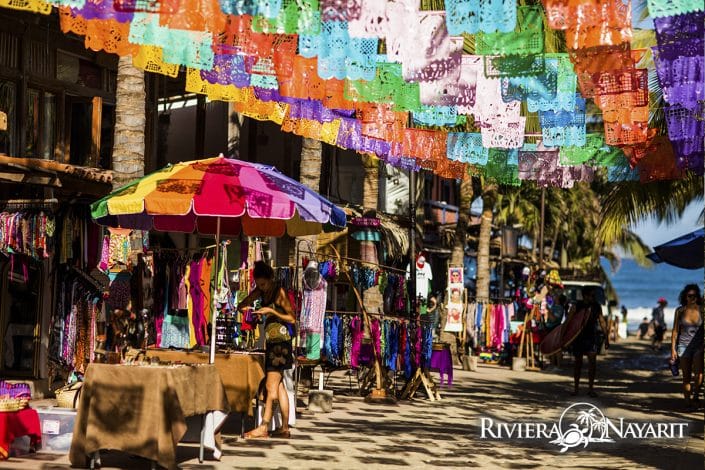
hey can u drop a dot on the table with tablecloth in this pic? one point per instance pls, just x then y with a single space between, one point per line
14 424
142 410
241 372
442 361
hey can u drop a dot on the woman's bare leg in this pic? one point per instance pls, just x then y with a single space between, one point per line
284 406
274 378
686 367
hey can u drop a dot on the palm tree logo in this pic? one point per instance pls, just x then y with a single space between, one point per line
581 424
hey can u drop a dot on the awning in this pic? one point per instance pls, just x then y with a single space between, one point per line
62 176
684 252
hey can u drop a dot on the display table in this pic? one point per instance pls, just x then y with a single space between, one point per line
142 410
14 424
241 372
442 361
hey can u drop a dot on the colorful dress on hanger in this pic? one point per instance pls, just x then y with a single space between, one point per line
312 314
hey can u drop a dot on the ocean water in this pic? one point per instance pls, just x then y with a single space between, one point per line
639 288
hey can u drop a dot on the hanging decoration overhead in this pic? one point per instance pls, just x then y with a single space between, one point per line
450 91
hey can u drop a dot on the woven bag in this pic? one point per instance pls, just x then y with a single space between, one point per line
69 395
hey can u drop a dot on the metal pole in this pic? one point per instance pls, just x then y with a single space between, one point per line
214 312
412 242
543 213
502 252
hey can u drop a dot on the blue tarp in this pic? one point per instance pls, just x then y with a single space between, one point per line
684 252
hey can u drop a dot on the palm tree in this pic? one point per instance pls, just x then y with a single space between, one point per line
370 196
128 150
311 161
626 203
310 176
489 199
466 194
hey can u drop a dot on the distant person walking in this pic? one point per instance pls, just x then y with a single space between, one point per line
643 328
623 310
659 321
589 341
687 342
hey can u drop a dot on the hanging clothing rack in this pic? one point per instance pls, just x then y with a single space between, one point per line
89 279
354 260
20 204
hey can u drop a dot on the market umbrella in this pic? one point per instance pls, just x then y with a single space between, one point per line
219 196
685 251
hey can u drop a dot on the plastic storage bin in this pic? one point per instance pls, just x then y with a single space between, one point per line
57 429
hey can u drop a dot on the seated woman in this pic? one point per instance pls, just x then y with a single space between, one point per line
278 355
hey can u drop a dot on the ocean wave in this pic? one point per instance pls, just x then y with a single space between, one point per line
636 315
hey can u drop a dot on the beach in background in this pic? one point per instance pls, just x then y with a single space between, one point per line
639 288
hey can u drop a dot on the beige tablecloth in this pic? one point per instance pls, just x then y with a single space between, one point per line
142 409
241 373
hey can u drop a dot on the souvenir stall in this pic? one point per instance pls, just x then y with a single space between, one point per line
338 330
225 197
47 251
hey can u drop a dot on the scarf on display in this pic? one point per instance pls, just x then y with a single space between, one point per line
27 233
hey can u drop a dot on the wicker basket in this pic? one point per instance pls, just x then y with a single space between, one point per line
69 395
13 404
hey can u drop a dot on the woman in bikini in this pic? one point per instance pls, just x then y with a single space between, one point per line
279 354
687 342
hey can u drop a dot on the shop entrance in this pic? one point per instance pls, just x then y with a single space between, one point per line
20 301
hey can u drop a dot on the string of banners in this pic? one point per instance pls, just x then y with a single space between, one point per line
386 78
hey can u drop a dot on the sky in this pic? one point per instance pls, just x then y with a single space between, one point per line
653 233
650 230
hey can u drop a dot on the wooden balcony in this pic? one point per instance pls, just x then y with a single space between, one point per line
440 212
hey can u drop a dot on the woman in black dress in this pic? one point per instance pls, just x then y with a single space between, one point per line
279 355
590 340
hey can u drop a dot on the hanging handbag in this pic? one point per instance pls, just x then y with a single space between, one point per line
69 395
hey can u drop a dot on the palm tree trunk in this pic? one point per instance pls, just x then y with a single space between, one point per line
456 258
370 197
370 194
489 197
310 176
458 252
311 161
235 123
554 240
128 150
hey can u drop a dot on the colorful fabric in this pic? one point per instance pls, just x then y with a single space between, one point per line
17 424
249 197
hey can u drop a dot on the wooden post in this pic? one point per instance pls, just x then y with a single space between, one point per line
96 124
366 319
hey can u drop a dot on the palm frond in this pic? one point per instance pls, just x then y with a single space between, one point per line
629 202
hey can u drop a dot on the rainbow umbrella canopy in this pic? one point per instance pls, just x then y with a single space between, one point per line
219 196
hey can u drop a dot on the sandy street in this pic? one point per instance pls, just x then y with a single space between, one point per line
633 383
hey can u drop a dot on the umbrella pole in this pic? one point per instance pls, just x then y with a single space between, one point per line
214 311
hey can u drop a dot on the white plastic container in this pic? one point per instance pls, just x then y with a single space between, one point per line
57 429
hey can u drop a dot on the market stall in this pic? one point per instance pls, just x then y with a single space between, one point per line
142 409
241 372
191 299
220 197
